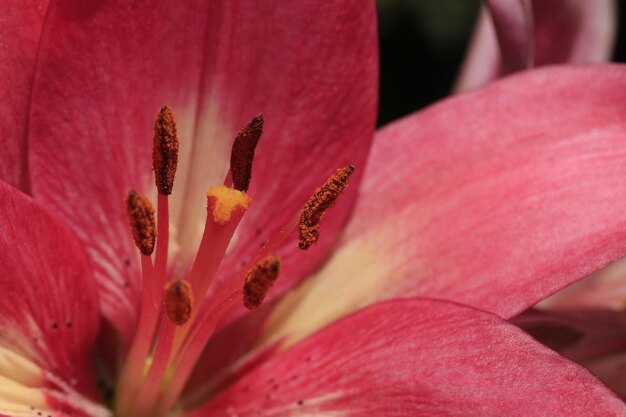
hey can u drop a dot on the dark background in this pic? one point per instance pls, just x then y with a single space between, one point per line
422 45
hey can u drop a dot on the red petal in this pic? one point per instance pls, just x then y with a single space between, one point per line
104 70
20 30
49 314
518 33
414 358
495 199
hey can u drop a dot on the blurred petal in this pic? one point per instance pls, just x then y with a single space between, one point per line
578 334
574 30
513 24
495 199
482 60
105 69
49 316
610 370
557 31
595 339
20 28
414 358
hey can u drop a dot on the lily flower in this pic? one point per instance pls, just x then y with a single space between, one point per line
481 205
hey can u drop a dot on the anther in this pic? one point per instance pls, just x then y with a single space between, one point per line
323 199
177 299
141 220
259 280
165 150
242 153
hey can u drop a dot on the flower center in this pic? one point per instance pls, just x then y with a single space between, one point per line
179 315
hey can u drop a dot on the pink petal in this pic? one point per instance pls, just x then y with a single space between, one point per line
517 198
49 314
521 33
495 199
595 339
414 358
104 70
20 30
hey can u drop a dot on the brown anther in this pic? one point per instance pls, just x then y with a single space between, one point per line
259 280
141 220
177 300
165 150
242 153
322 199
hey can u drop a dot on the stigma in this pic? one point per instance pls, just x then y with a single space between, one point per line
223 201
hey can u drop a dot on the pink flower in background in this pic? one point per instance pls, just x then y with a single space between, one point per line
514 35
485 203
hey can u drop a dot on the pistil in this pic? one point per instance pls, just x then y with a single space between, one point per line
225 209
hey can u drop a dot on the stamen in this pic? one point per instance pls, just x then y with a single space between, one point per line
323 199
242 153
165 150
223 201
259 280
141 219
178 299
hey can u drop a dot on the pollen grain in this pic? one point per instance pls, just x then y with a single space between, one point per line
259 280
178 299
141 219
322 199
242 153
165 150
